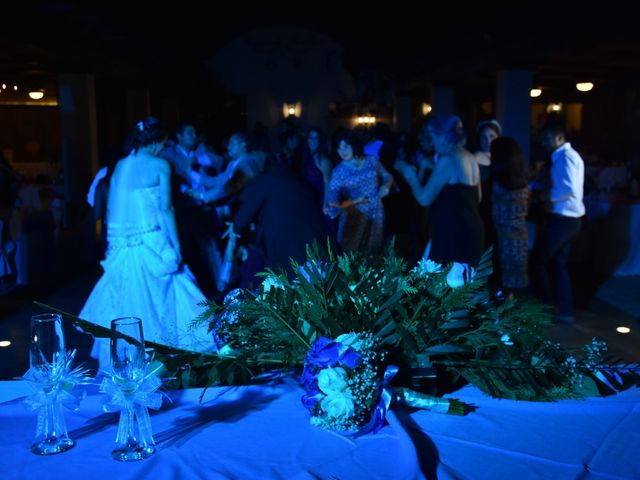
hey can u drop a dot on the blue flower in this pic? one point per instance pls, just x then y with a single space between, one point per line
309 376
312 398
324 353
329 353
351 358
233 297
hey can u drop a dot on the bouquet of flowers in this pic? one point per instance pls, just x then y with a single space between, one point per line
347 385
343 380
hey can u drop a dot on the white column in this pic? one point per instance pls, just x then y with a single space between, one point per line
513 106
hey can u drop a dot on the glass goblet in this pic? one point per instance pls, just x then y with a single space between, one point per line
47 361
128 362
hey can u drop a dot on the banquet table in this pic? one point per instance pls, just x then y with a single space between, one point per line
263 432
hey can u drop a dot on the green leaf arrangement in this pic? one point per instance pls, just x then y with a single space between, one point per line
496 344
456 323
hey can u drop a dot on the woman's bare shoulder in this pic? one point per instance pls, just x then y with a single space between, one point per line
158 163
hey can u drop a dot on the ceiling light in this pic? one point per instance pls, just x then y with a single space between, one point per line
4 343
623 329
584 86
36 94
535 92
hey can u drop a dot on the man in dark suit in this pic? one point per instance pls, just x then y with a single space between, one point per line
287 216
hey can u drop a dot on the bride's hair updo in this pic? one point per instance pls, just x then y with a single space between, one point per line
450 126
147 132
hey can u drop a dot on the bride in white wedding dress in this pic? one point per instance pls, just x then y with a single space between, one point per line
143 271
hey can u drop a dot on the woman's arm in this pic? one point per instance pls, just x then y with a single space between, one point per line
242 174
386 180
349 203
426 194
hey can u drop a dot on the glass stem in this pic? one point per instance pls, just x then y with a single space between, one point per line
126 428
51 423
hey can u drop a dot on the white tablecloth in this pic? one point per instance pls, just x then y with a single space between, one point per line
263 432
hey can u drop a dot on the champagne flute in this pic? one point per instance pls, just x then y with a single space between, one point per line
47 360
128 362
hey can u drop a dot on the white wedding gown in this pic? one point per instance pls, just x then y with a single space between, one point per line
143 279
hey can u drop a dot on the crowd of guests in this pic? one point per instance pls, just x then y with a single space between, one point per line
216 219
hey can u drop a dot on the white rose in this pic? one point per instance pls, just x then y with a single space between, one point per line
271 282
460 274
332 380
350 340
338 405
506 339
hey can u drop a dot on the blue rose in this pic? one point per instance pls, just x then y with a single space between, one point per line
311 399
324 353
350 358
309 376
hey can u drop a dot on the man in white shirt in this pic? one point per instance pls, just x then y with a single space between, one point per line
565 209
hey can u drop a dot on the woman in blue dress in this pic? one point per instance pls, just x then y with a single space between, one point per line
358 184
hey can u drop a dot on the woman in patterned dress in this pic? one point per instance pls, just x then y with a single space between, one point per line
509 206
355 194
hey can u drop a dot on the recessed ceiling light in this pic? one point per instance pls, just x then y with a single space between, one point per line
4 343
623 329
584 86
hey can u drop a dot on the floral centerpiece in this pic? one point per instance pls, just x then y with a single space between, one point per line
347 384
342 380
445 314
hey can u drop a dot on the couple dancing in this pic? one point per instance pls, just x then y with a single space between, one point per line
143 271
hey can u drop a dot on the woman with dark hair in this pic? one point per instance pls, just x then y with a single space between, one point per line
453 191
143 271
509 206
487 131
316 166
357 186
